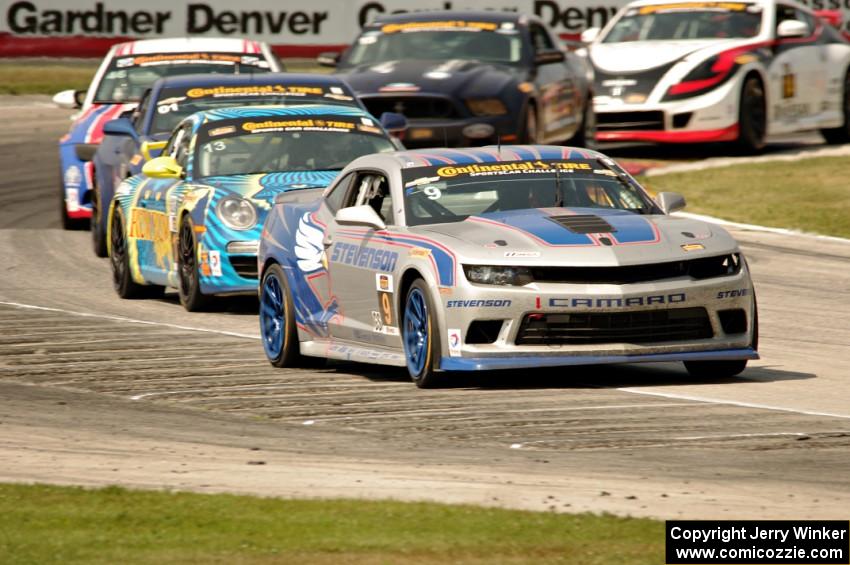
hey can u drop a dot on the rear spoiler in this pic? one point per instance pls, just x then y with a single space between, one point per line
302 196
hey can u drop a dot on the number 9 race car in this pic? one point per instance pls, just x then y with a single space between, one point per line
705 71
499 258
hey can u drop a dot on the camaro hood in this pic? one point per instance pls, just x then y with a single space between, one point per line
264 187
455 77
559 237
636 56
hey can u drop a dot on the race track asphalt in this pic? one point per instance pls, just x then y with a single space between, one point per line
96 390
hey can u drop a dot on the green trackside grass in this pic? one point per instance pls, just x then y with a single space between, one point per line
49 76
45 76
47 524
810 194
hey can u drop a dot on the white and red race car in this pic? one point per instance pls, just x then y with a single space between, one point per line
696 71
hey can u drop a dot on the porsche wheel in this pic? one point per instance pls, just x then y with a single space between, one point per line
752 116
420 336
189 285
834 136
530 133
277 319
122 278
98 222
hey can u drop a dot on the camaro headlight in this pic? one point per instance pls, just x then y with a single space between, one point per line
237 213
486 107
505 276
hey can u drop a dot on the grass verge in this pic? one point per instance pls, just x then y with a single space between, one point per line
49 524
810 194
49 76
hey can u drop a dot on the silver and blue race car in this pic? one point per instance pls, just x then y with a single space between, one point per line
499 258
192 219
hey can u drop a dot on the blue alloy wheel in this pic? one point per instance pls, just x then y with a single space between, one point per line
416 332
272 316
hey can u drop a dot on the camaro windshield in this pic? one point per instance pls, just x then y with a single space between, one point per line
127 78
684 21
438 41
286 143
444 194
174 104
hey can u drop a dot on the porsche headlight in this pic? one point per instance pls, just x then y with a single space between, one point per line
505 276
237 213
486 107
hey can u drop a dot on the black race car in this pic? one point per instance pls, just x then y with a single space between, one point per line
471 78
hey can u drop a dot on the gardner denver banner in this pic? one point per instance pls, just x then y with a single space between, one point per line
294 27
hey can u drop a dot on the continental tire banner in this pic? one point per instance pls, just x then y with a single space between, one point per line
294 28
87 28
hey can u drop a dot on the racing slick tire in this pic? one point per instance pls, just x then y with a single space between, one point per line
835 136
189 281
420 336
98 222
586 135
68 223
530 127
752 116
277 320
715 369
122 278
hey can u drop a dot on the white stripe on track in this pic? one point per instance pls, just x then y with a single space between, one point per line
708 400
128 320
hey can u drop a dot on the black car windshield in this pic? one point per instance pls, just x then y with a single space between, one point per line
684 21
127 78
438 41
174 104
452 193
281 143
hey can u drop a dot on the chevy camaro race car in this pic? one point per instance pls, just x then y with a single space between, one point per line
499 258
125 73
470 78
131 140
192 219
704 71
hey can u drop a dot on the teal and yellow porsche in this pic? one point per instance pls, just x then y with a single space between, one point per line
192 219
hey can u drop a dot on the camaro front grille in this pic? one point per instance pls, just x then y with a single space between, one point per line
413 107
617 121
648 326
697 269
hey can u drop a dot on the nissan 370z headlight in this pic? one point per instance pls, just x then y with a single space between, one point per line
505 276
237 213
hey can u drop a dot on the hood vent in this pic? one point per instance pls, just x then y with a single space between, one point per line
586 223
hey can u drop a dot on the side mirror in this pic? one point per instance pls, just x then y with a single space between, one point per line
148 149
360 216
70 99
670 202
550 56
165 167
120 126
590 34
792 28
394 123
328 59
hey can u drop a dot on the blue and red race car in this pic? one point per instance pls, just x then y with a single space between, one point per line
125 73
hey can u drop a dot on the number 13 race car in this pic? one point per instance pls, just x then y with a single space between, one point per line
499 258
704 71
